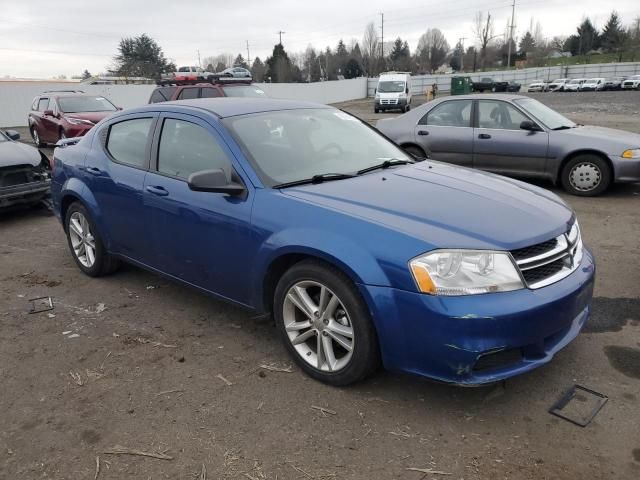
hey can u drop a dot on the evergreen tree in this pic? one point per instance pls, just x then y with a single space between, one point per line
527 44
240 62
341 58
279 66
141 57
85 75
587 38
613 35
353 69
258 70
400 56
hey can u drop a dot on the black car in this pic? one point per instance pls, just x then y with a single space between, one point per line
24 172
614 83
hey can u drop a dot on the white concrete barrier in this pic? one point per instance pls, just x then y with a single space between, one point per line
16 97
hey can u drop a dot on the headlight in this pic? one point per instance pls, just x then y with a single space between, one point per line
78 121
465 272
632 153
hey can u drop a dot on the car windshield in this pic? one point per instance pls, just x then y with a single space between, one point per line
290 145
575 81
559 80
391 86
85 104
243 91
592 80
550 118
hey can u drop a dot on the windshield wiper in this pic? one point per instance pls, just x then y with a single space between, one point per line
390 162
323 177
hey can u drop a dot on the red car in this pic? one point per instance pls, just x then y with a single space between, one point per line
57 115
219 88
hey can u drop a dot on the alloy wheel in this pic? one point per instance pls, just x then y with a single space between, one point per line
36 137
82 240
318 326
585 176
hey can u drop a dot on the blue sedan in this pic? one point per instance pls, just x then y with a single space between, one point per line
362 255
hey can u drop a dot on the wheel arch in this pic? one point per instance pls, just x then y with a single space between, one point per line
74 191
585 151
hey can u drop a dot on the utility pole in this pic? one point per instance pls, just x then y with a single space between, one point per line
199 63
248 56
382 36
281 33
513 12
461 40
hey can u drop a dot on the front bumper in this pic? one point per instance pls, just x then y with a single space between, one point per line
24 194
625 170
478 339
399 104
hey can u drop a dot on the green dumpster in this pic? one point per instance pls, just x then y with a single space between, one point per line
460 85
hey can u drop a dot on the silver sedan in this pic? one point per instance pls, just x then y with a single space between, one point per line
518 136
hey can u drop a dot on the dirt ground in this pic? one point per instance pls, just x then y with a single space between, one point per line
137 361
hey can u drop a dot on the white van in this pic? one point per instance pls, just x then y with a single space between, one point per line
393 92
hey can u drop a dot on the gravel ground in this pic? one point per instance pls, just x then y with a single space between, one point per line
134 360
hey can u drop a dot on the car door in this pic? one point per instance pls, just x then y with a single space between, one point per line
114 174
46 125
200 237
446 132
501 146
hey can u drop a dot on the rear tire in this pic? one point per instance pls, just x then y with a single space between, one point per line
36 137
586 175
87 248
376 110
335 344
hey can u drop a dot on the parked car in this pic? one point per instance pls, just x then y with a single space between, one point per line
537 86
614 83
58 115
558 85
631 83
518 136
512 87
393 92
24 172
593 85
206 90
489 84
188 74
237 72
574 85
308 213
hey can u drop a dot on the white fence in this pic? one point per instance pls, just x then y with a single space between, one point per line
525 76
16 97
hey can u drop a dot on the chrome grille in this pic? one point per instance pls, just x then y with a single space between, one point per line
389 101
548 262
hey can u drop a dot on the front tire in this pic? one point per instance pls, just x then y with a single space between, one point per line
85 244
36 137
586 175
325 324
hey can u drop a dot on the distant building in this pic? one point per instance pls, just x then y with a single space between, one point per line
558 54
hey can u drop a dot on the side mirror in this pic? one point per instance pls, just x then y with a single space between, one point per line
119 108
407 91
530 126
12 134
375 90
48 113
214 181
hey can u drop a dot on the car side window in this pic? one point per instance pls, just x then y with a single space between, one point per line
499 115
208 92
188 93
127 141
456 113
186 148
43 104
162 94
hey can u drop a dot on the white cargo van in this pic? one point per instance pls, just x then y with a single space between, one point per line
393 92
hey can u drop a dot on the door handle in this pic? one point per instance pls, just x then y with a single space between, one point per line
94 171
484 136
160 191
423 132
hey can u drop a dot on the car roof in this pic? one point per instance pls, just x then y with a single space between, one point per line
484 96
224 107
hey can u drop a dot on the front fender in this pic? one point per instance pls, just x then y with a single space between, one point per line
338 250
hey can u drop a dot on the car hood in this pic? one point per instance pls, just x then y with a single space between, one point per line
612 141
94 117
447 206
15 153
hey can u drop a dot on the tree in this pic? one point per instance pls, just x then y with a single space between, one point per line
279 65
400 56
352 69
483 29
341 58
527 44
613 35
258 70
432 50
85 75
370 49
586 39
240 62
455 62
141 57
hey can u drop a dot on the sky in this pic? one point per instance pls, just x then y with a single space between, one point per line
41 39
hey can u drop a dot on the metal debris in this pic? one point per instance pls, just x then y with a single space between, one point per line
41 304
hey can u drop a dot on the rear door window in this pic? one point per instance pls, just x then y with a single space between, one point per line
188 93
162 94
127 141
449 114
209 92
